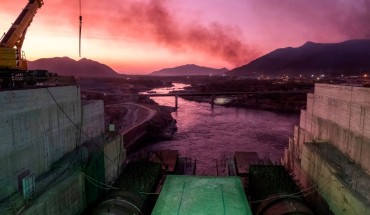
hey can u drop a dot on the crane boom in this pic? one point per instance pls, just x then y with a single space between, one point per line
11 55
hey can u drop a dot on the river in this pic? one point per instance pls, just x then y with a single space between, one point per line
210 134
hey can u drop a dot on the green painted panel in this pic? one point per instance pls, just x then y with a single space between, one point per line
202 195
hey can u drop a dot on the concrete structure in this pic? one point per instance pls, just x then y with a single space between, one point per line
67 197
331 147
115 156
92 119
35 132
41 134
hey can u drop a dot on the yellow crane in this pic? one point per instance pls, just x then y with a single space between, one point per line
11 55
13 63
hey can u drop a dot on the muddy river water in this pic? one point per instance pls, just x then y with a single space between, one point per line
211 134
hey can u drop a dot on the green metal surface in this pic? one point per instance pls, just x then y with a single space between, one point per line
202 195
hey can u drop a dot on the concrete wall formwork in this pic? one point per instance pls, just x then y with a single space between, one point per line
67 197
115 156
343 105
36 129
92 119
358 95
338 194
341 116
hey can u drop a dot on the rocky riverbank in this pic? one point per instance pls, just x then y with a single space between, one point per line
162 126
124 108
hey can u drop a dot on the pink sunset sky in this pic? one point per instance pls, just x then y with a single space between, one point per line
141 36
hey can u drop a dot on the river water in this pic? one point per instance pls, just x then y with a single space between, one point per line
209 134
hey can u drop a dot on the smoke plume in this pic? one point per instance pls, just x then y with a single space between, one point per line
345 19
153 21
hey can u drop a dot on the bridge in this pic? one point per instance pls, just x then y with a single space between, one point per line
214 94
201 94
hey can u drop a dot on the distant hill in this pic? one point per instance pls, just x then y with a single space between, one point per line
350 57
189 70
69 67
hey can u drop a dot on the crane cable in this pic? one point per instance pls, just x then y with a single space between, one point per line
79 38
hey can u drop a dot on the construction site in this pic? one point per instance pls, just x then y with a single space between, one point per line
63 152
59 157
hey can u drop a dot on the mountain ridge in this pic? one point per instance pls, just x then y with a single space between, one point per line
348 57
70 67
189 70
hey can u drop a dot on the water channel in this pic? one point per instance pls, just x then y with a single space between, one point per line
209 134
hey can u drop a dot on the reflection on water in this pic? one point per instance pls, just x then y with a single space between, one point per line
222 100
208 134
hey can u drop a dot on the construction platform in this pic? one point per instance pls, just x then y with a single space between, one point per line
243 160
202 195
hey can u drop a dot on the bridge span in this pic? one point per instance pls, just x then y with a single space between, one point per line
214 94
222 93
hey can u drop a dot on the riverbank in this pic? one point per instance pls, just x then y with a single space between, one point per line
125 111
162 126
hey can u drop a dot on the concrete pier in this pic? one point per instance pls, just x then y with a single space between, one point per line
331 148
243 160
176 101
